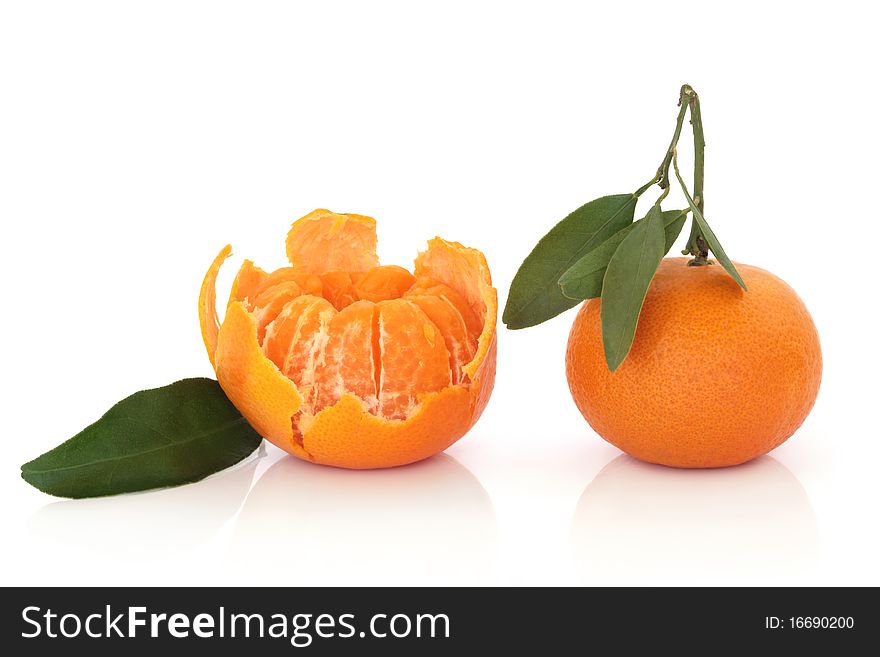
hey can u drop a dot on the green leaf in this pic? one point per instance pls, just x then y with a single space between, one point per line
627 279
709 235
166 436
535 295
583 280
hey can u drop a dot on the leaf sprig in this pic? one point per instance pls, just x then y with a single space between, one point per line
599 251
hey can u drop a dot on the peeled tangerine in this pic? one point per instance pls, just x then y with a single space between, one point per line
342 361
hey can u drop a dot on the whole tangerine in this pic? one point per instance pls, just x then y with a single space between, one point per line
716 376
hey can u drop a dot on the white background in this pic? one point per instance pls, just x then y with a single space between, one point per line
136 139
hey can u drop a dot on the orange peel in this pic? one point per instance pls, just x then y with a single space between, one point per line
344 362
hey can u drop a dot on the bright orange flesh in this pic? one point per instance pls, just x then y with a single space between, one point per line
384 283
716 376
339 288
348 364
324 241
345 362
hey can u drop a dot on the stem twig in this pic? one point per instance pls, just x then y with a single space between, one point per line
696 244
662 177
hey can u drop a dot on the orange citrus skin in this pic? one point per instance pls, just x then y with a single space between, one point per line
344 362
716 376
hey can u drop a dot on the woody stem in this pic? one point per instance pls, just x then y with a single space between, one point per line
696 244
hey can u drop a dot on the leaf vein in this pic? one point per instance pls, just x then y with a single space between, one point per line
191 439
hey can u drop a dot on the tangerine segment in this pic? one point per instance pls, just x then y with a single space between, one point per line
276 289
430 287
324 241
268 304
247 283
281 333
347 364
413 359
295 340
338 288
310 283
257 388
208 319
446 317
383 283
307 347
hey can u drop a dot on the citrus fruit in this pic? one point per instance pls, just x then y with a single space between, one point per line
716 376
342 361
